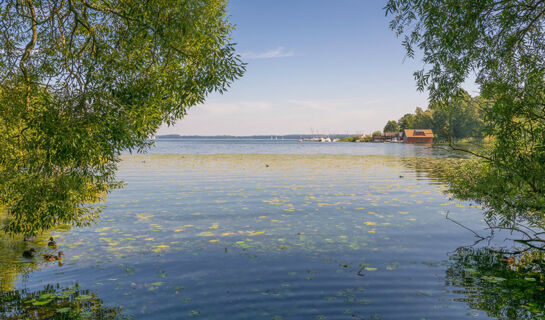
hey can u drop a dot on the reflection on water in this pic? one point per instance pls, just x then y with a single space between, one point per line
250 236
12 264
506 287
54 302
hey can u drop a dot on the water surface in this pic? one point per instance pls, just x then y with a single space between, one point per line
269 236
263 146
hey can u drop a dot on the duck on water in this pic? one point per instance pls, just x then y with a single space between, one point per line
29 253
52 257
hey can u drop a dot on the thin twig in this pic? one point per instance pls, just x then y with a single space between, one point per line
461 225
360 272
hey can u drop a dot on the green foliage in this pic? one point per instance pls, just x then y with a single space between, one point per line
500 196
391 126
422 119
350 139
502 42
406 122
459 118
80 81
499 191
377 134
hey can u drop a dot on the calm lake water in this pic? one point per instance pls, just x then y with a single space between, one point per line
268 230
264 146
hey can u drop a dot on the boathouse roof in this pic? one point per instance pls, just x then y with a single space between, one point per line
419 133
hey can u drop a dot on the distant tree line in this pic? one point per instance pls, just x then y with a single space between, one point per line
460 117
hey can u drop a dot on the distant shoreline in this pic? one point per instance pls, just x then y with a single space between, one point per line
254 137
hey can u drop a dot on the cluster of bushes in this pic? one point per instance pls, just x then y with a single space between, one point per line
357 139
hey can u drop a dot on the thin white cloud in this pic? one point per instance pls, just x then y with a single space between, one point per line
279 52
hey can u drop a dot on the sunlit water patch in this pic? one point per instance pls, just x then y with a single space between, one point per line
270 237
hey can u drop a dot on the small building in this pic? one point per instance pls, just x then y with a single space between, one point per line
378 138
388 137
392 136
418 136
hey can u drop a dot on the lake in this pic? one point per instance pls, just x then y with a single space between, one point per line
267 229
269 146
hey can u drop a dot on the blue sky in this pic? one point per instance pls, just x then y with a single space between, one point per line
313 65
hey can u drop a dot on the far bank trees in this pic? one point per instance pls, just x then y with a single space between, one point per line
461 117
391 126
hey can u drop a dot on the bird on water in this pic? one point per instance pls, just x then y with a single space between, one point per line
29 253
52 257
52 242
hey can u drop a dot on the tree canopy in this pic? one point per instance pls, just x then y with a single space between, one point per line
82 80
502 44
391 126
461 117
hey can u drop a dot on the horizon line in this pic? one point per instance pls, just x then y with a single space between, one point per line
256 135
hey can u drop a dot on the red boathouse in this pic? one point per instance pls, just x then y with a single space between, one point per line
418 136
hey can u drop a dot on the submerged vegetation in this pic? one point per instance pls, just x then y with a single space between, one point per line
302 222
296 222
55 302
504 286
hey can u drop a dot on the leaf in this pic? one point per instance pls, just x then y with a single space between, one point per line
63 310
41 302
392 266
194 313
48 296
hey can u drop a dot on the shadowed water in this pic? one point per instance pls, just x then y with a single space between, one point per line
268 236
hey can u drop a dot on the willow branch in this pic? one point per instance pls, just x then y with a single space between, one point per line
28 49
461 225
